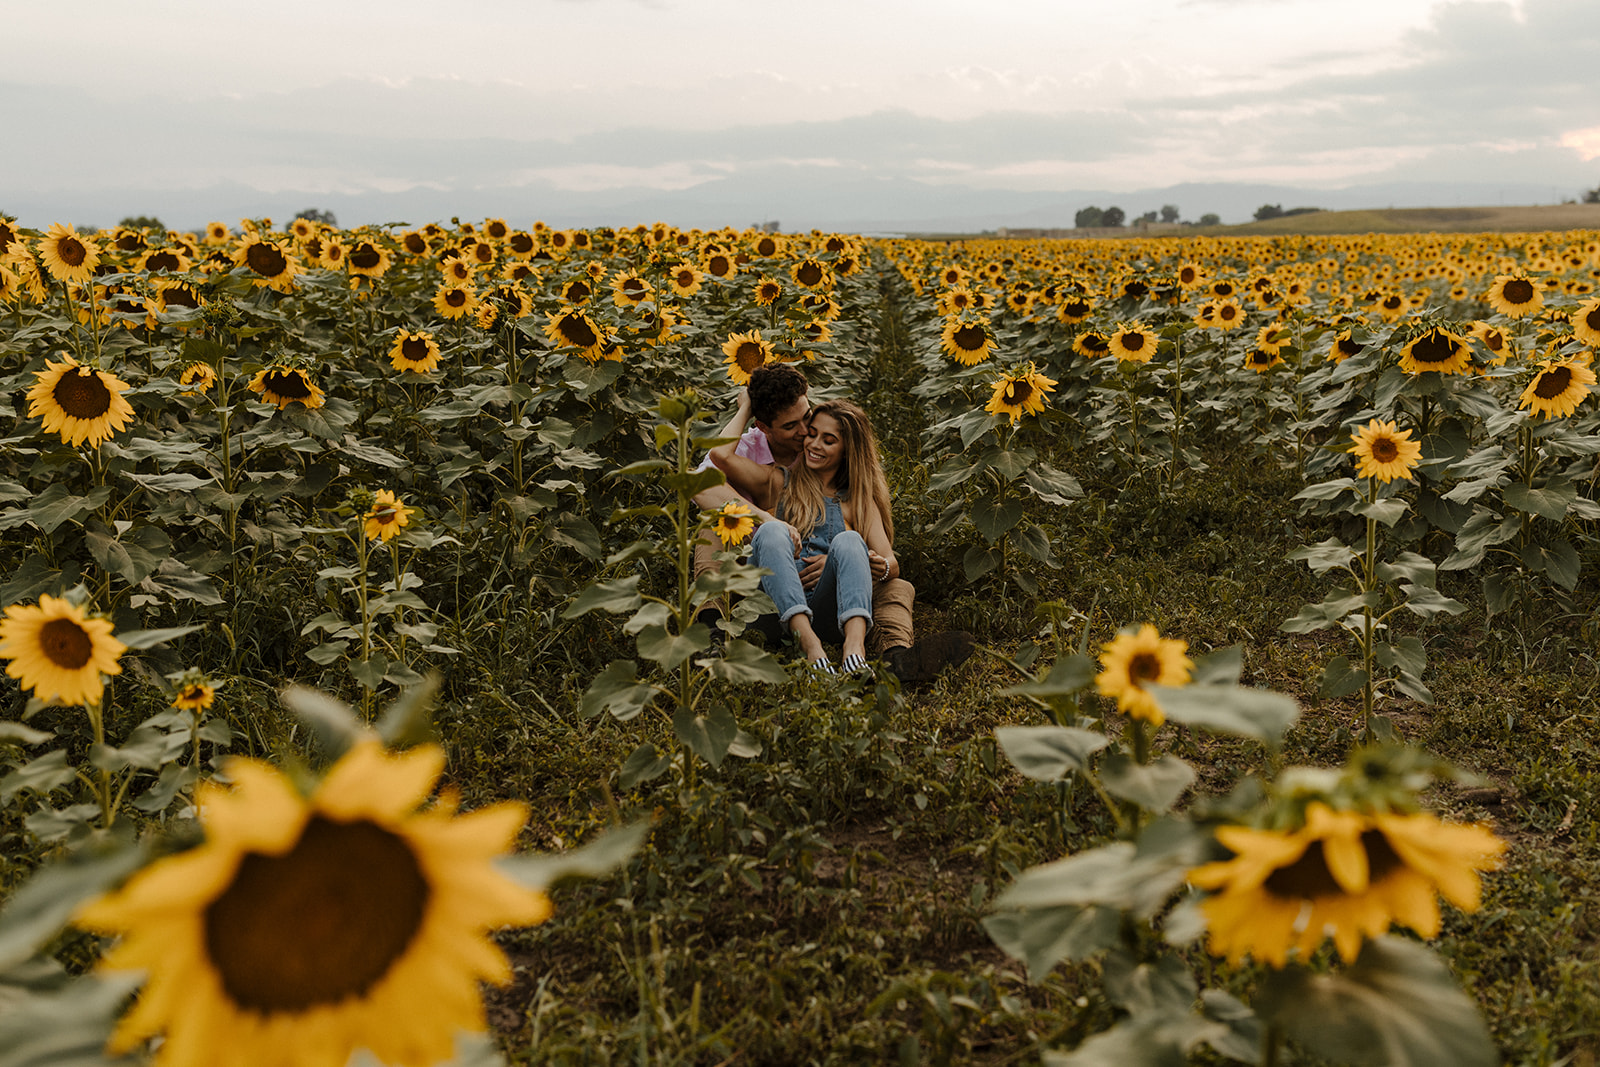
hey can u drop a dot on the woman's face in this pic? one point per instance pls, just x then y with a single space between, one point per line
825 447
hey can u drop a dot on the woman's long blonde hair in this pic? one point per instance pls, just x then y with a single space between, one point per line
860 477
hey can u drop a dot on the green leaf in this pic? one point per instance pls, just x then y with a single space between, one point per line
1421 600
1119 875
1397 1006
1325 555
658 644
334 724
1328 613
1052 486
644 764
369 672
1031 542
409 720
56 506
993 519
609 852
1551 502
979 561
617 690
1049 753
1221 667
178 483
710 735
43 775
1043 937
1387 511
67 1026
578 533
16 733
1418 570
1068 676
1340 679
1330 490
615 596
1229 709
152 638
1154 786
1559 560
38 910
181 583
651 614
743 662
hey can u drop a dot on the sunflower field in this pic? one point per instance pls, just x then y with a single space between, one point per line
359 700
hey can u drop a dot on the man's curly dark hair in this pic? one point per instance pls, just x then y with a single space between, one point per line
774 388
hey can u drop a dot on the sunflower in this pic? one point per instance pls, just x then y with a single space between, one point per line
456 270
577 291
195 695
58 651
685 280
1229 315
1343 348
967 339
1261 360
83 405
767 246
1073 310
733 522
284 385
1390 306
368 260
1437 350
630 290
455 302
767 291
1190 276
809 273
720 265
386 516
1133 344
1132 659
574 329
217 233
1586 323
1092 344
197 378
171 260
820 306
746 352
1494 339
1384 452
1345 873
68 256
1558 387
1272 338
514 299
1514 295
273 266
347 919
415 353
1019 394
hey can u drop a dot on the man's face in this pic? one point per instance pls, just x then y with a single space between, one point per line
787 431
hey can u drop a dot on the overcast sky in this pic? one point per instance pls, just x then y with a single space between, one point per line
107 105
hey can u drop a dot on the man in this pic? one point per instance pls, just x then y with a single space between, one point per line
778 407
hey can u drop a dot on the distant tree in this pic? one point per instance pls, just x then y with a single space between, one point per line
1088 218
1169 213
311 214
142 222
1113 216
1147 218
1269 211
1301 211
1592 196
1209 219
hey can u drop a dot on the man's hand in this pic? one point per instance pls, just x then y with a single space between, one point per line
811 571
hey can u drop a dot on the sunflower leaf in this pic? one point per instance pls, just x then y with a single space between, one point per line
1043 937
152 638
607 853
743 662
334 724
1397 1006
1550 502
1339 679
617 690
43 775
1229 709
1324 555
614 596
1049 753
710 735
658 644
36 912
1387 511
1155 786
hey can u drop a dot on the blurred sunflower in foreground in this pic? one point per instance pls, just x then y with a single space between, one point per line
1344 874
306 927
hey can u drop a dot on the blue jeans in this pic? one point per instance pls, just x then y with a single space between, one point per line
843 593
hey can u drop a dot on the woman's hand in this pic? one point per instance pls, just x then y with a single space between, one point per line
881 566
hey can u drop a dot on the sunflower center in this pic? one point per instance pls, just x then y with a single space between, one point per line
809 273
182 298
266 260
970 338
577 332
578 292
65 644
414 348
455 298
1433 347
1076 307
83 395
1391 303
1095 343
1349 347
766 246
320 924
365 258
1018 391
1133 341
1227 312
161 261
1552 383
384 514
749 356
719 266
634 287
1135 289
1259 356
1518 291
70 251
1592 320
1384 450
290 384
1144 667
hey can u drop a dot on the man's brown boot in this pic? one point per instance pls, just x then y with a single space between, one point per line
923 660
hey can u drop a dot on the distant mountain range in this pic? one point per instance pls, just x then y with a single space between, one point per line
797 198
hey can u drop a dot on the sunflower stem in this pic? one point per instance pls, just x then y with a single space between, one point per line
97 725
1271 1042
1368 572
366 618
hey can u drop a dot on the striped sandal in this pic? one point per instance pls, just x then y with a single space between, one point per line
854 664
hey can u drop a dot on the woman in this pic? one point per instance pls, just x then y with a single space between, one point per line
835 501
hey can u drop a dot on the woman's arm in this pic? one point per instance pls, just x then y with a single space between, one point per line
880 550
758 482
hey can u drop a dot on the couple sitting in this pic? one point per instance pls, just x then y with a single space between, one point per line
815 477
